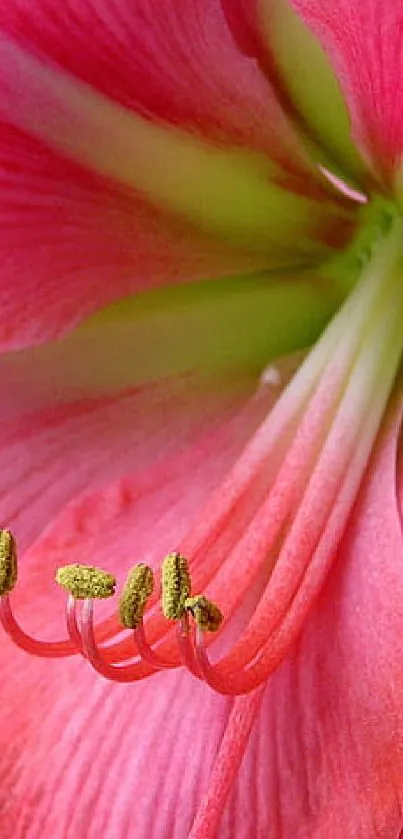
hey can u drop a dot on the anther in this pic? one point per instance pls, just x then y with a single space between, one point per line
136 591
206 614
84 581
176 587
8 562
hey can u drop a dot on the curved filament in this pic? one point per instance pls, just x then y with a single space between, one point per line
43 649
125 673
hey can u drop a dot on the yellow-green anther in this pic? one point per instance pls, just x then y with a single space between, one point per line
176 585
206 614
84 581
136 591
8 562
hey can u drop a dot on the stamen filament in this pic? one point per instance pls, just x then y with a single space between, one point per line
233 507
147 653
314 554
221 684
125 673
42 649
226 766
185 634
72 625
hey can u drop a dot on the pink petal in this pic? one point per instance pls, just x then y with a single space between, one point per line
242 19
109 437
303 79
89 760
91 243
163 333
363 40
96 237
326 758
153 64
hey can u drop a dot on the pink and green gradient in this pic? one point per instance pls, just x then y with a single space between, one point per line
201 297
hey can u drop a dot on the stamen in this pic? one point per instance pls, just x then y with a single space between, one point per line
224 685
72 625
206 614
176 587
8 579
133 600
147 653
136 591
84 581
185 641
43 649
127 673
8 562
226 765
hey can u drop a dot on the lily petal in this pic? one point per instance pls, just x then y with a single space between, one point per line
93 244
203 183
99 761
249 322
306 73
135 218
363 41
153 64
297 68
107 438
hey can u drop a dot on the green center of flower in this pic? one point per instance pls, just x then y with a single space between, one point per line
375 222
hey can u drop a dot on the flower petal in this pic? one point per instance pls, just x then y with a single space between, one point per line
326 756
200 181
136 217
87 758
153 64
363 40
107 438
71 243
249 322
301 74
308 77
241 16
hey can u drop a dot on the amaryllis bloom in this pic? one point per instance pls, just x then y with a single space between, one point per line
182 437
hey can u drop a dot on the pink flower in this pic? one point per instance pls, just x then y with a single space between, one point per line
141 148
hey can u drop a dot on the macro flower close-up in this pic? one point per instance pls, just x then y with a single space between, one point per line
201 347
